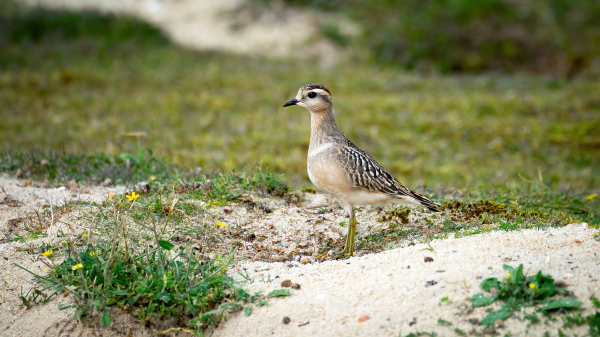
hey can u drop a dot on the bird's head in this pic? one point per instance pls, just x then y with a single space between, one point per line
314 97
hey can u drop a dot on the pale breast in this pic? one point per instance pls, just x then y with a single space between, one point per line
326 173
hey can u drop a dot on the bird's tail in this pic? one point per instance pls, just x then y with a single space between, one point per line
430 204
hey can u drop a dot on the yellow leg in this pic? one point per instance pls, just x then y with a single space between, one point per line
349 247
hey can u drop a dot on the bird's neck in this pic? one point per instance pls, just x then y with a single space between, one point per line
324 129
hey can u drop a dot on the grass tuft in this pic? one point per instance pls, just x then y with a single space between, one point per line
518 291
97 168
129 260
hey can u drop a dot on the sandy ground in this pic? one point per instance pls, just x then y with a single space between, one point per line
394 286
390 288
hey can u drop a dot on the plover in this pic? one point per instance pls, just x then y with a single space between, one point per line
338 167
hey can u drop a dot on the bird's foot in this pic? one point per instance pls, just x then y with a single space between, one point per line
324 256
343 255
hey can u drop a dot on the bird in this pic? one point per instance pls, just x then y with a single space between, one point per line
339 168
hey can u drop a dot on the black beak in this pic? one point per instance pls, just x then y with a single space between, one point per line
292 102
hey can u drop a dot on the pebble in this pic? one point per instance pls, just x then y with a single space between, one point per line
363 318
295 286
286 283
286 320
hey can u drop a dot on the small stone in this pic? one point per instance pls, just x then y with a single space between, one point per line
297 258
363 318
286 320
430 283
585 225
286 283
577 242
562 284
499 324
295 286
72 185
306 260
428 259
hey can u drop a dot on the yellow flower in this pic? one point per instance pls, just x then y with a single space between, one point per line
64 242
152 178
531 285
133 196
91 254
509 274
46 269
77 266
53 270
221 224
84 234
591 196
47 253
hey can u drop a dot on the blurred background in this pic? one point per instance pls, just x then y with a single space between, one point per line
442 93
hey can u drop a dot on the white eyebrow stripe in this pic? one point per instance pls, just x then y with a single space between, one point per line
319 91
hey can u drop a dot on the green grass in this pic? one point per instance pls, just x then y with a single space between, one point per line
488 209
519 291
59 168
524 297
73 87
92 92
143 254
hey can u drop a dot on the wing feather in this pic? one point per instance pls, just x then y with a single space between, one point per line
365 173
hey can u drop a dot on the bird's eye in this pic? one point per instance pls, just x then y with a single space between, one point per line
312 94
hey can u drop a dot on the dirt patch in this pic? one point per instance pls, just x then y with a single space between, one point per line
401 291
390 288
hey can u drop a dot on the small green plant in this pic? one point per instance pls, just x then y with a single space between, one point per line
519 291
532 318
420 333
459 332
443 322
155 280
593 321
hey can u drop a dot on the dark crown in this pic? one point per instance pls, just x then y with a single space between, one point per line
312 86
